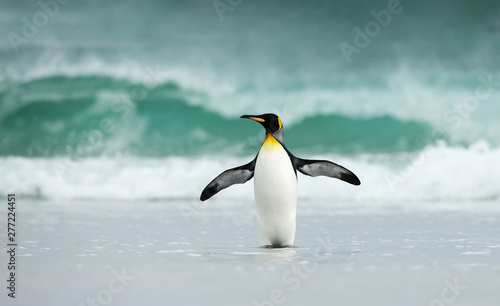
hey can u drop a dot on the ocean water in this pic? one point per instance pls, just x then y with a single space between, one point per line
156 96
112 105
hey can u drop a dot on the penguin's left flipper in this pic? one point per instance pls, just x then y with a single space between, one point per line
238 175
325 168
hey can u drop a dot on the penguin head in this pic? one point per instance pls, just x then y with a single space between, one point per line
271 122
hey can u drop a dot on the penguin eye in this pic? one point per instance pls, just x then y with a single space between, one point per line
275 125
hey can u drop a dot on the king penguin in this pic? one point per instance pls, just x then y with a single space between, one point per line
275 185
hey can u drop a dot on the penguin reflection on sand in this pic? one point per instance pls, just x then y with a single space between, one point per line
275 186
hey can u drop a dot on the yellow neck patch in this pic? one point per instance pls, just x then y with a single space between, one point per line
270 141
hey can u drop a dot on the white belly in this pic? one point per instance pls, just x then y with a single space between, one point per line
275 188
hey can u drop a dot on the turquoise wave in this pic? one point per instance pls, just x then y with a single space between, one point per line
75 89
380 134
97 116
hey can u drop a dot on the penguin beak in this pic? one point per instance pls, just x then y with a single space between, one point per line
254 118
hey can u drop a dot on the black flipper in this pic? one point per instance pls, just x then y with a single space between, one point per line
325 168
238 175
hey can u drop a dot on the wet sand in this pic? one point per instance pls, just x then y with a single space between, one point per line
181 252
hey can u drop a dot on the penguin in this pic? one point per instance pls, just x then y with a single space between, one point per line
275 185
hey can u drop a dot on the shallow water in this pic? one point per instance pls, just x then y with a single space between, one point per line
183 253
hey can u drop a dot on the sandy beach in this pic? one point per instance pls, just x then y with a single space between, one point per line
182 253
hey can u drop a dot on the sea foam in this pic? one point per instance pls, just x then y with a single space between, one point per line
436 173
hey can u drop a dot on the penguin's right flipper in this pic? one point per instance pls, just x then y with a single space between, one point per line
238 175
